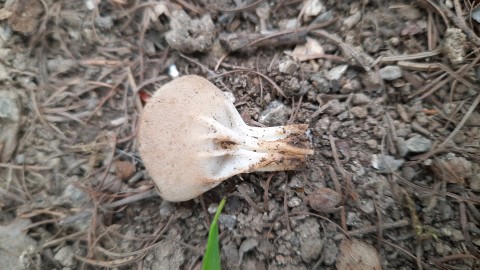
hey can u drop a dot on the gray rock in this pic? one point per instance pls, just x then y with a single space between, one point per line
372 144
359 112
168 255
474 119
360 99
65 256
275 114
385 163
390 73
189 35
418 144
330 253
288 66
13 243
167 209
352 20
336 73
474 182
246 246
402 147
310 249
229 221
294 202
335 107
9 123
476 14
321 83
311 242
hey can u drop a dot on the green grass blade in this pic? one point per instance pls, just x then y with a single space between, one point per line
211 259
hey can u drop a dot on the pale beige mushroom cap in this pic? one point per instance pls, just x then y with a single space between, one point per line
191 138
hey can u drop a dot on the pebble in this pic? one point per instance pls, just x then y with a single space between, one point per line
335 107
294 202
313 8
371 81
322 84
474 182
359 112
386 163
390 73
372 144
276 114
360 99
352 20
418 144
229 221
330 253
336 73
402 147
476 14
288 66
474 119
65 256
14 242
324 199
9 123
167 209
189 35
457 235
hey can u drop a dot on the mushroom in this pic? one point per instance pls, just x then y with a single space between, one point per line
191 138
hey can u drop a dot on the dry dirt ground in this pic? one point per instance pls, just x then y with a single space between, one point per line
389 89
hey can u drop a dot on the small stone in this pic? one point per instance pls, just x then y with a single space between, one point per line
9 123
367 206
475 14
310 249
286 24
167 209
474 119
442 249
324 200
4 74
294 202
14 242
321 83
360 99
352 20
105 23
229 221
474 182
385 163
390 73
359 112
335 107
65 256
190 35
457 235
371 81
402 147
418 144
288 66
336 73
454 45
247 245
372 144
313 8
276 114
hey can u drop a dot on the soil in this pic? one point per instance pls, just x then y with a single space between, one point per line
390 91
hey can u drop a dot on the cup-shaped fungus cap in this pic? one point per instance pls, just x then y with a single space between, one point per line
191 138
